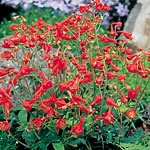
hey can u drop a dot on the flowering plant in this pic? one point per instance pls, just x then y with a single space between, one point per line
119 9
74 83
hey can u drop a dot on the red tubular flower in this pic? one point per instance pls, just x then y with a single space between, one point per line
77 99
112 32
4 126
37 122
106 39
99 80
77 129
106 7
123 97
14 27
51 100
117 24
114 25
115 68
97 62
110 75
128 51
40 23
47 47
131 113
128 35
132 94
107 117
60 124
121 77
85 8
5 93
85 56
107 48
108 60
7 106
44 86
85 109
48 109
5 71
71 85
83 43
8 44
58 64
96 100
27 56
60 103
131 67
7 55
24 70
27 104
86 78
110 102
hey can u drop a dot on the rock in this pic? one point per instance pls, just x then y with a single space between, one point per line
139 24
130 23
146 116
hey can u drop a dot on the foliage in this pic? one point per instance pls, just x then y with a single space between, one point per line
77 84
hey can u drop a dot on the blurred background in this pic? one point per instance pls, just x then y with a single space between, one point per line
55 10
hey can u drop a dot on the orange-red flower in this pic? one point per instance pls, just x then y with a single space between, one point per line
5 71
132 94
7 55
99 80
60 124
110 102
110 75
96 100
37 122
107 117
77 129
106 39
131 113
4 126
57 65
44 86
123 97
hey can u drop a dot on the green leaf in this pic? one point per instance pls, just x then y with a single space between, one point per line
89 121
23 116
138 133
42 146
83 141
58 146
18 107
29 136
129 140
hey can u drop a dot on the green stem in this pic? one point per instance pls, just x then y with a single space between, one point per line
19 141
142 94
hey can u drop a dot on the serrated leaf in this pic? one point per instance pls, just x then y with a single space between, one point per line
58 146
23 116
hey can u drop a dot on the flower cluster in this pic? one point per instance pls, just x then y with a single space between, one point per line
79 72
